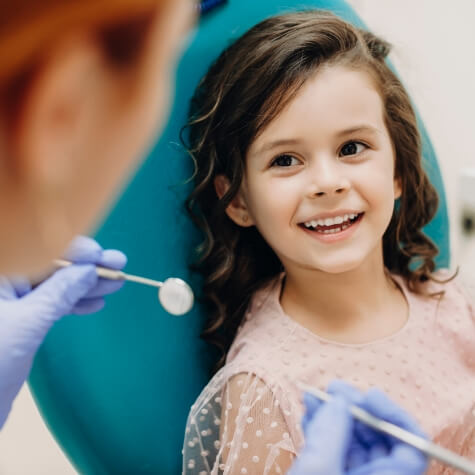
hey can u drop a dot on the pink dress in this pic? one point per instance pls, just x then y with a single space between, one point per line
247 419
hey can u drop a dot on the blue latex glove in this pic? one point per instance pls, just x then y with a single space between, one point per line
27 314
336 444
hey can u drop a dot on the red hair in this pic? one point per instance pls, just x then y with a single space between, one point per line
29 28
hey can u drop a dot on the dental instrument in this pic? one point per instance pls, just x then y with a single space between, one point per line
427 447
175 295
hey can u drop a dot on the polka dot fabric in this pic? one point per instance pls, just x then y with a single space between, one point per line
247 419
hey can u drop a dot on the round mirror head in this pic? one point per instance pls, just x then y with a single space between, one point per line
176 296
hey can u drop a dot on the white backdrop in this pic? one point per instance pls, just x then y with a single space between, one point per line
433 53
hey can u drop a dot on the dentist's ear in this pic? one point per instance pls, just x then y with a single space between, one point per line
237 210
54 117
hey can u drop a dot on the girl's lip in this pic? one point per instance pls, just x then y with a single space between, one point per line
335 237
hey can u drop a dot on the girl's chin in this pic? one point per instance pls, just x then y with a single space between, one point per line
339 267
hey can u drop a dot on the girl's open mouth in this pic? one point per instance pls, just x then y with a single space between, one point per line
332 225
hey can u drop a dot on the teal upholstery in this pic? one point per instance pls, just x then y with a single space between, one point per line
115 388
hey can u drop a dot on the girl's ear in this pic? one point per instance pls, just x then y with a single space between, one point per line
237 210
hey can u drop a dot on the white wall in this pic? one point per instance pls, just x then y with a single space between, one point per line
434 55
26 446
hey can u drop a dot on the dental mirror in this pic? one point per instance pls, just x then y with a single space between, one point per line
175 295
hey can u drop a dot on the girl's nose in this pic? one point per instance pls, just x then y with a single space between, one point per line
327 179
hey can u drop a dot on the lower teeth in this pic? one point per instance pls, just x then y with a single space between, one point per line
335 230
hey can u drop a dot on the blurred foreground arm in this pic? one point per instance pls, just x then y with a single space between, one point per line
27 314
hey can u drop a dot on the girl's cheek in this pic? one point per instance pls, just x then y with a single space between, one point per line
376 179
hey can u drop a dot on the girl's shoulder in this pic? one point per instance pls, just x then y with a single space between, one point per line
263 324
452 286
444 282
254 358
452 292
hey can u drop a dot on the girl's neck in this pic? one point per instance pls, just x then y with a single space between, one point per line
352 307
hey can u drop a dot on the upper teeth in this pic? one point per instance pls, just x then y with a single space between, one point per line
330 221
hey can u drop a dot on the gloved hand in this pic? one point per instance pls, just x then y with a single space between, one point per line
27 314
336 444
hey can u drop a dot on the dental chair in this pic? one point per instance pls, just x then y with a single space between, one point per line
115 388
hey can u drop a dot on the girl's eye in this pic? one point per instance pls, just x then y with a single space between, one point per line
284 161
352 148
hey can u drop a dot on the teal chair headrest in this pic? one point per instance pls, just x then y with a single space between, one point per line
115 388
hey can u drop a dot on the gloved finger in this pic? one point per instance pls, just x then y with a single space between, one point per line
113 259
312 405
346 391
370 437
21 285
7 291
104 287
83 249
361 432
328 437
377 450
378 404
411 458
357 455
86 306
412 462
380 467
58 294
366 436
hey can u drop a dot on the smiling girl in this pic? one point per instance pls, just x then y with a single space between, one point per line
311 194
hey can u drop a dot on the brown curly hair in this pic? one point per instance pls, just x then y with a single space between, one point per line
243 91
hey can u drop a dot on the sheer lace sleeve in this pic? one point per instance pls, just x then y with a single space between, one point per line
237 426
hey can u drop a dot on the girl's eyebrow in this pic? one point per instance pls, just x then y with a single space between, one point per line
359 128
276 143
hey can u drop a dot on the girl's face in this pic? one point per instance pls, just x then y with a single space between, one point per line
319 182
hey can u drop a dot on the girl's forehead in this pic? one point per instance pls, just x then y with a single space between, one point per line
334 100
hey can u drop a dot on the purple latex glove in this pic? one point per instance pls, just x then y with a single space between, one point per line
27 314
336 444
